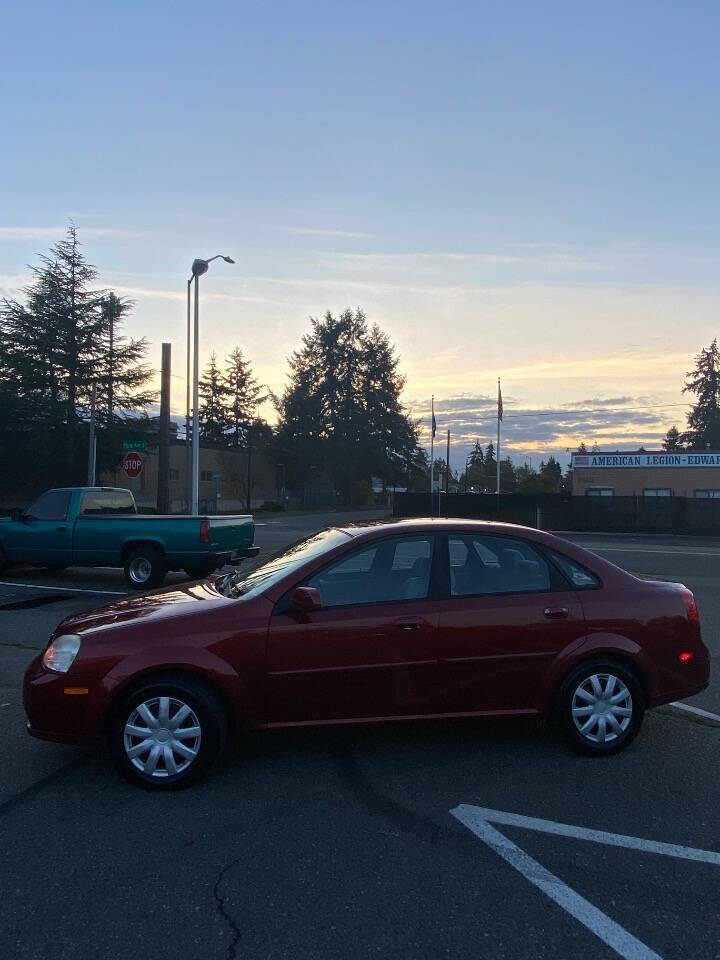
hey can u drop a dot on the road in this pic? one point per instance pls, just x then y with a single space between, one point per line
357 842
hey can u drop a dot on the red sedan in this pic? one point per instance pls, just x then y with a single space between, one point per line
402 620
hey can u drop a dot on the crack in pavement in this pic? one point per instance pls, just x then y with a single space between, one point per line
220 905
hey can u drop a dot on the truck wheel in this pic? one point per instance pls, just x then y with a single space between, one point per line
200 572
145 566
168 733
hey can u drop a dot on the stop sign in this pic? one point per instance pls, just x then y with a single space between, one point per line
132 463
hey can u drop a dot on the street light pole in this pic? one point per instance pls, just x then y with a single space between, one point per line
188 451
199 267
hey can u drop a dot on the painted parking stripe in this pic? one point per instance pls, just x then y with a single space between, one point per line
670 551
582 833
480 819
597 922
38 586
704 714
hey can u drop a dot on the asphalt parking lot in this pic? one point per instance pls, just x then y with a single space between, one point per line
462 839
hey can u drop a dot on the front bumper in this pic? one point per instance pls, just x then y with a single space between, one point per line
53 714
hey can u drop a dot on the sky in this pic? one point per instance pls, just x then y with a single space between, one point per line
520 190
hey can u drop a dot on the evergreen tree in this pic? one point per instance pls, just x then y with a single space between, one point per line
341 411
672 439
704 382
121 371
552 472
244 396
213 410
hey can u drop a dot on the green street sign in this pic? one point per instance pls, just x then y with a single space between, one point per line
139 445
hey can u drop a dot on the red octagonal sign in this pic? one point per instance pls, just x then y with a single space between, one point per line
132 464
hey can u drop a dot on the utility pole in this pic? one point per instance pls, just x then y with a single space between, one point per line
163 485
92 440
188 448
447 465
249 468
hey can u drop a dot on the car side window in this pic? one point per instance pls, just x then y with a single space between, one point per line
52 505
579 576
483 565
387 571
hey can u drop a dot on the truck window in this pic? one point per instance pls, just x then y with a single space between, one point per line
96 502
52 505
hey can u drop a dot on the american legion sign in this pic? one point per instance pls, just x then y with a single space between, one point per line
663 473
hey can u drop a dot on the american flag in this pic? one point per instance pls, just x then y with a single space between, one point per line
500 406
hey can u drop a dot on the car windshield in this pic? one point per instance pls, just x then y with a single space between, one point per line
277 566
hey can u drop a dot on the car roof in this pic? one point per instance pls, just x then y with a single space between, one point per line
438 524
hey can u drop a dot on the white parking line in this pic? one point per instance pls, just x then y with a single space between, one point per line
705 714
582 833
479 820
669 551
597 922
38 586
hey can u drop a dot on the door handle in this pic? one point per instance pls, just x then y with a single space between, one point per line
409 624
556 613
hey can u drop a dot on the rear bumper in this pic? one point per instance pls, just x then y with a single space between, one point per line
221 557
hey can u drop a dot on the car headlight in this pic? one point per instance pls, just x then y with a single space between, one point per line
60 654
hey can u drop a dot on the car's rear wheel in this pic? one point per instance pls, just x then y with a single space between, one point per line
165 736
145 567
600 707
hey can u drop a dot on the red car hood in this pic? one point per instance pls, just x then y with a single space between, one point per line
147 607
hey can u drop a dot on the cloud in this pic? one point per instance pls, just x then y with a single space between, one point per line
58 232
321 232
625 422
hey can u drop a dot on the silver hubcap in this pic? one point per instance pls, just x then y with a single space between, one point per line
140 570
602 708
162 737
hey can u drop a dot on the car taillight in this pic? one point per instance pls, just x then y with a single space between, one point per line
691 608
205 531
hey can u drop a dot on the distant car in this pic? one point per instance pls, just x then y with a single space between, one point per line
100 527
408 619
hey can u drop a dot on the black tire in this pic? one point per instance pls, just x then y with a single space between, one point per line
145 567
199 572
205 708
577 688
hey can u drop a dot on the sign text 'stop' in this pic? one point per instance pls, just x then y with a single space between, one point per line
708 458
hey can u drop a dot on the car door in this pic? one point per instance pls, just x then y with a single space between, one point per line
44 535
508 615
370 651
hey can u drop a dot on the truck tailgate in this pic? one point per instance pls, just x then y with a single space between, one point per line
231 533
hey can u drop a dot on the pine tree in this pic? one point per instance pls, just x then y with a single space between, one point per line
704 418
341 411
121 372
244 396
213 409
672 439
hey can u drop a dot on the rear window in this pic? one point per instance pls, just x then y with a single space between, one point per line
579 576
97 502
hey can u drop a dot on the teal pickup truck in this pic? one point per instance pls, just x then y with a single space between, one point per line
100 527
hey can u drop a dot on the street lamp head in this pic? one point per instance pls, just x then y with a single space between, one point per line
228 260
199 267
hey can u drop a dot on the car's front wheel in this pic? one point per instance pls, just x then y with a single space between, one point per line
166 735
600 707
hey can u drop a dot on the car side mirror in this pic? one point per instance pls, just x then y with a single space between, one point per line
17 515
306 600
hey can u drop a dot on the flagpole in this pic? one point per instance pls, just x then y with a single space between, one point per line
497 452
432 452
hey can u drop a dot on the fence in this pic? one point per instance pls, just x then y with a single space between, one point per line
562 512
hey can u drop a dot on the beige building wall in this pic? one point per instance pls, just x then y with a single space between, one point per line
631 481
223 479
